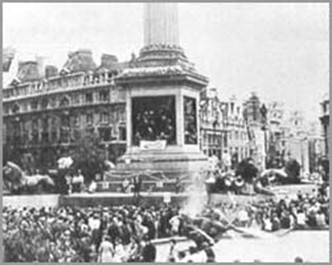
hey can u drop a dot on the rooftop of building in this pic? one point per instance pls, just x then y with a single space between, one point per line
78 62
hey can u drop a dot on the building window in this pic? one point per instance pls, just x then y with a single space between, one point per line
35 133
45 130
54 135
16 133
104 117
64 102
104 96
64 135
25 134
76 99
89 119
90 131
65 128
88 98
52 103
76 121
105 133
44 103
16 108
34 105
5 109
122 133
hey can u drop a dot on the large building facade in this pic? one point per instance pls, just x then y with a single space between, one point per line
325 122
46 112
212 124
236 141
224 131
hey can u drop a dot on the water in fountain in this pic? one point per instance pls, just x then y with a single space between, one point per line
197 196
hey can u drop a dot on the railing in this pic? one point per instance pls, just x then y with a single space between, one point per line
79 80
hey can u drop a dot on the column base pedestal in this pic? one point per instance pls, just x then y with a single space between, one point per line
171 164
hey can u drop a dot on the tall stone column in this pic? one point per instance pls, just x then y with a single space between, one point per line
162 80
161 24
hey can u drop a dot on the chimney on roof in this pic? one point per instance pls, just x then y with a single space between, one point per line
50 71
40 66
109 60
28 71
81 60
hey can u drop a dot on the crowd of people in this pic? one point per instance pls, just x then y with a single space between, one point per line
303 211
66 234
126 233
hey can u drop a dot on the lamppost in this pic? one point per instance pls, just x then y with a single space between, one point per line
263 111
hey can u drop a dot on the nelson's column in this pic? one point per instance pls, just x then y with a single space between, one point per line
162 95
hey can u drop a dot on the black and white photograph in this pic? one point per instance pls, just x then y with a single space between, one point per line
165 132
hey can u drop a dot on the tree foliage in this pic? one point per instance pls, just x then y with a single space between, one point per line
88 156
293 170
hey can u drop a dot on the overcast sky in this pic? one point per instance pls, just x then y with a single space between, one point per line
279 50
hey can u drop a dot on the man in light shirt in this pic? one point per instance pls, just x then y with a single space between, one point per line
78 181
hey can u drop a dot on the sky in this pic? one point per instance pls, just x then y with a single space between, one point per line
278 50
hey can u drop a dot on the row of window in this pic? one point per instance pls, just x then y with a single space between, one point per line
236 135
241 152
64 135
65 101
74 121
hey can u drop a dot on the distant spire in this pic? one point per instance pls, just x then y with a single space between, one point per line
7 58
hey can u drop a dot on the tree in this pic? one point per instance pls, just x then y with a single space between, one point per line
88 156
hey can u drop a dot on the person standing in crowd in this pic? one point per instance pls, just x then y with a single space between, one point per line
149 251
175 222
92 187
125 185
135 250
78 182
178 185
113 230
137 181
119 252
106 250
126 234
210 183
69 183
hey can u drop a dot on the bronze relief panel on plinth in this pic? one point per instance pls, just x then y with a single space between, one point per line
154 118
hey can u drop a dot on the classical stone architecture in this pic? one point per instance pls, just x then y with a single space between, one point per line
162 91
161 24
212 124
45 112
237 142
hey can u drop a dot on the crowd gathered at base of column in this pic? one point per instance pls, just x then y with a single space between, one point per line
128 233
